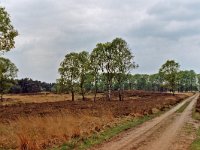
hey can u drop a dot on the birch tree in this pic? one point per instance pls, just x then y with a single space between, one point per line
123 62
69 71
96 65
169 72
8 71
84 64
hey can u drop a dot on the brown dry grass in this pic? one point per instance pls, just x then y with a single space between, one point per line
43 132
40 98
65 120
186 93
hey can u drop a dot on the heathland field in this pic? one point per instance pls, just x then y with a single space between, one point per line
44 121
68 83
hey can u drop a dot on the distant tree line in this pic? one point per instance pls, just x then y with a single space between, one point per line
186 81
28 85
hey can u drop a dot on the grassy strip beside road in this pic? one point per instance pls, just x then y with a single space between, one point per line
196 115
85 143
182 108
196 143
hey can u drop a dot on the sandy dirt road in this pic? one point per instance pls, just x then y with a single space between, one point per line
156 134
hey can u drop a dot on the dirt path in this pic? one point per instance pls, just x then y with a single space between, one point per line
156 134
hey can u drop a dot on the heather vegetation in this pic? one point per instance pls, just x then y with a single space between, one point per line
47 124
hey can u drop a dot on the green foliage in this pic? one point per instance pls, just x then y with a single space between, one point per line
156 82
169 72
140 81
84 66
123 62
198 81
8 71
70 71
114 60
123 59
96 65
7 31
74 71
27 85
89 84
187 81
108 68
152 82
108 61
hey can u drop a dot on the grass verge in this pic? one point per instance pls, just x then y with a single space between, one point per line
182 108
97 138
196 143
196 115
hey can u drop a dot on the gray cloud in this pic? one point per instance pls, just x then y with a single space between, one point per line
155 30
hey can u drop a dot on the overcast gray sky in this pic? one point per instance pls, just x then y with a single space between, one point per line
156 30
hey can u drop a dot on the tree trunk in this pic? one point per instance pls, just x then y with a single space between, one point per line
1 97
120 94
95 96
120 91
72 95
173 91
109 91
130 86
82 93
123 93
83 96
95 93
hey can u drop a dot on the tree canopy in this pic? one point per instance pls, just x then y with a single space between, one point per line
7 31
8 71
169 72
69 71
107 62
